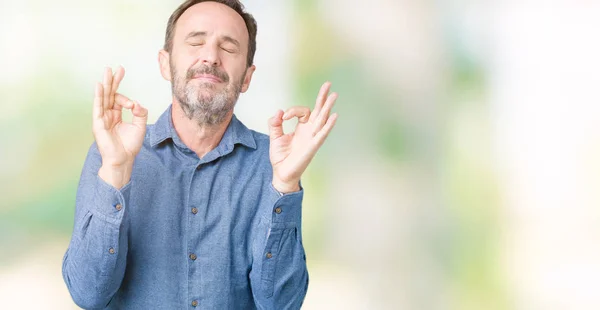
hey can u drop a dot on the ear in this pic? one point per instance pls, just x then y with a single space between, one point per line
248 78
165 65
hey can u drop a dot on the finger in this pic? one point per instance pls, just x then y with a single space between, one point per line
140 115
302 113
121 102
322 135
321 99
107 84
98 109
118 77
275 125
324 114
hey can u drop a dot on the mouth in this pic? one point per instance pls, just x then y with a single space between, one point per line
208 78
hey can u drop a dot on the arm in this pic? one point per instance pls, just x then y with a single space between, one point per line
279 267
94 265
279 276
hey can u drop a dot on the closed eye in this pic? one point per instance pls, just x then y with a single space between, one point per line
228 50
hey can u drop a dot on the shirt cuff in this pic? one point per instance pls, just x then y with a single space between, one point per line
288 207
109 201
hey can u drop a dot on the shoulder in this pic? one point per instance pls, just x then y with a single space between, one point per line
262 142
261 139
149 130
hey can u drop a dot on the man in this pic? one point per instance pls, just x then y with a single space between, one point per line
195 211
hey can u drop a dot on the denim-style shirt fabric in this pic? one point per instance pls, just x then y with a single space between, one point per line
185 232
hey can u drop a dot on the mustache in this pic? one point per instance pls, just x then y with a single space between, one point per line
207 70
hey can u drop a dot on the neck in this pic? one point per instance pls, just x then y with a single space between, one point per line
197 137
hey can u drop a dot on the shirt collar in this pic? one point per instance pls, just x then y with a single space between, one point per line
235 133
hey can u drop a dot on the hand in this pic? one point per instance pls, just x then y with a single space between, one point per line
291 153
118 142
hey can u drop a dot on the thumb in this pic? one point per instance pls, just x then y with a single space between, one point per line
276 125
140 115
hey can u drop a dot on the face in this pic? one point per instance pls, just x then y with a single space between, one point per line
207 65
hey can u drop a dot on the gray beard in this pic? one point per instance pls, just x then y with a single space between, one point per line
206 109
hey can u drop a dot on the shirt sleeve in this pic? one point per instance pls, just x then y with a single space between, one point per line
279 277
94 264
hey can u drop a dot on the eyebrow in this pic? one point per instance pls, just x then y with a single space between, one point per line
225 38
196 34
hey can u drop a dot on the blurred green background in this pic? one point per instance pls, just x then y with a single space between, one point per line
463 172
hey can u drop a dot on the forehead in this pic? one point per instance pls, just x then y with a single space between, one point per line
214 19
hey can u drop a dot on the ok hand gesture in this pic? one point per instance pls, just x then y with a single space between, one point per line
118 142
291 153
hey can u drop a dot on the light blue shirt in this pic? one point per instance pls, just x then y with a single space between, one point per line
185 232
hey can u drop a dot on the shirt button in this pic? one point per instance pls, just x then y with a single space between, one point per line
111 251
193 256
278 210
269 255
118 207
194 210
194 303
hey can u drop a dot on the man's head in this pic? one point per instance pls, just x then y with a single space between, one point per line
208 57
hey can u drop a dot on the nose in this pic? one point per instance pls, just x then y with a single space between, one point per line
210 57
